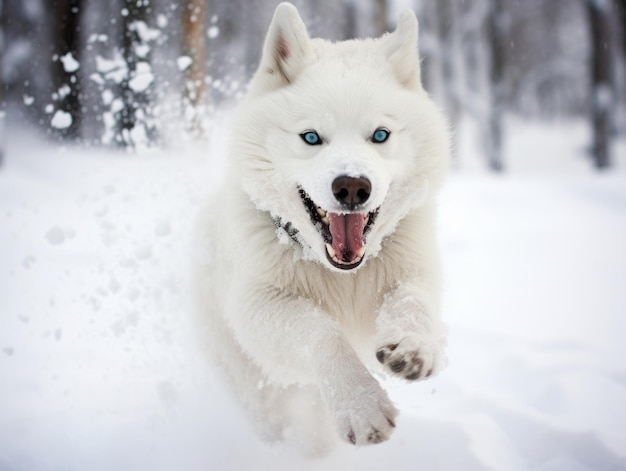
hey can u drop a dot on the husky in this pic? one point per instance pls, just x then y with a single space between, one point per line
320 265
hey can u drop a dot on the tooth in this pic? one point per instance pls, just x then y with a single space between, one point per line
330 250
326 220
321 212
361 252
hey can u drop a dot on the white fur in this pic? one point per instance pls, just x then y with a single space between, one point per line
297 336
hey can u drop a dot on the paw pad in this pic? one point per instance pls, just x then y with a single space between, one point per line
408 364
384 352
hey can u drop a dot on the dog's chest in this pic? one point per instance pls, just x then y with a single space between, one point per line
353 300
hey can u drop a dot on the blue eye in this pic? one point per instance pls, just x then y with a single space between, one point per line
311 138
380 135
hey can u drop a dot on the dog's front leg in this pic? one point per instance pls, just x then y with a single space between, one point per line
294 341
410 335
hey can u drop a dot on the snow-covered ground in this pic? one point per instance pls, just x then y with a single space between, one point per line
100 368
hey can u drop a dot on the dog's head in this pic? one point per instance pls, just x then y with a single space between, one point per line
338 142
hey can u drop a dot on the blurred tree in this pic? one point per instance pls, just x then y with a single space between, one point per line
620 67
66 38
621 9
2 91
428 41
350 15
601 80
498 39
451 56
381 19
136 125
194 48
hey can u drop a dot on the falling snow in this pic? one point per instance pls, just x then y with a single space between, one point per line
61 120
213 32
183 62
142 79
70 65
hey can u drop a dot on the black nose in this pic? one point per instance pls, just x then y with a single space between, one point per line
350 191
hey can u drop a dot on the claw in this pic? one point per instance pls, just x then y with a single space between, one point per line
374 437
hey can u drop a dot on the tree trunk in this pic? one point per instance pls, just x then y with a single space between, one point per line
381 17
350 31
133 13
135 126
66 78
621 4
3 118
601 83
494 134
449 31
194 47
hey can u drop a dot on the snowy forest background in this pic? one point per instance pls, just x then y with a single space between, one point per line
133 73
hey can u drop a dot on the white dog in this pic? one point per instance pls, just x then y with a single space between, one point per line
323 260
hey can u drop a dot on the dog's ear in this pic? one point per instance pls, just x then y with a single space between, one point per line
402 52
287 49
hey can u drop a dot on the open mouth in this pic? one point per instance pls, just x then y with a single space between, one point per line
344 234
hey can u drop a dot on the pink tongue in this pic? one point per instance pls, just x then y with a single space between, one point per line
347 232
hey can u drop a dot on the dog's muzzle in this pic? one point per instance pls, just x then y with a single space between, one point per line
344 233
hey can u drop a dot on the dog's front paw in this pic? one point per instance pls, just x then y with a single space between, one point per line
369 419
410 359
